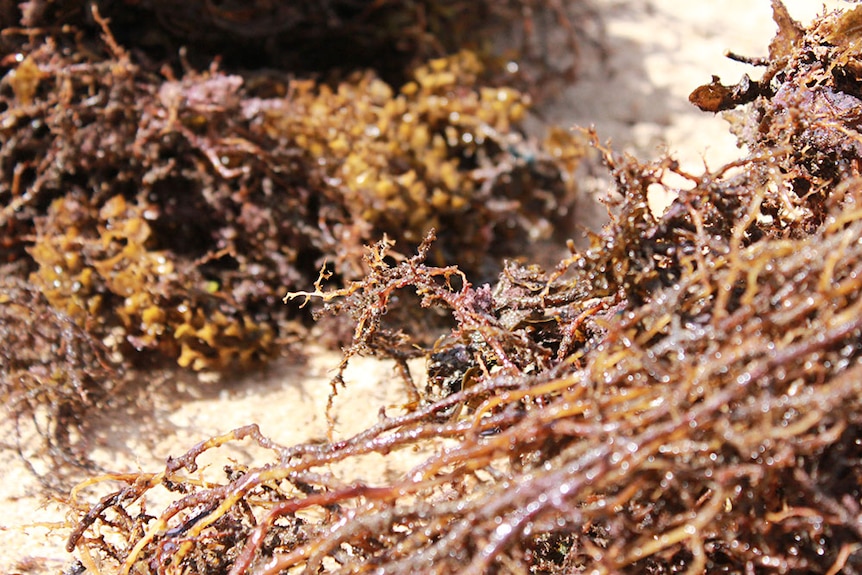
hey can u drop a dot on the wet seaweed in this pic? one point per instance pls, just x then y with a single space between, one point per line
681 395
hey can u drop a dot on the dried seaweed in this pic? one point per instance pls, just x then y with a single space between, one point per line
683 395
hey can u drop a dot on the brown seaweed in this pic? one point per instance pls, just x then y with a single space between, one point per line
161 208
682 395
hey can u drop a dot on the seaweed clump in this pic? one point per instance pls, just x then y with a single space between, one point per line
50 364
162 209
683 395
327 37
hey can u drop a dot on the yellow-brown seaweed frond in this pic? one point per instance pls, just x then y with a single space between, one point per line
114 283
441 152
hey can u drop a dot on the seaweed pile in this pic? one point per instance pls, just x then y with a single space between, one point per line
157 211
682 395
319 38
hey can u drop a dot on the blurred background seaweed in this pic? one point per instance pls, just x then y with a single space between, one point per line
168 170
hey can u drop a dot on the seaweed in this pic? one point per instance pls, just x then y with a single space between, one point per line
160 201
50 364
328 37
681 395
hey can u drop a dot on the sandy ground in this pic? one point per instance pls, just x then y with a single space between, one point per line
659 50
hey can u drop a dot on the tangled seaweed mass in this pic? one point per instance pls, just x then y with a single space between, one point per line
157 212
683 395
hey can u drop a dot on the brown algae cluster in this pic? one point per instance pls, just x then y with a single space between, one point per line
115 276
681 396
163 210
50 363
442 153
323 37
